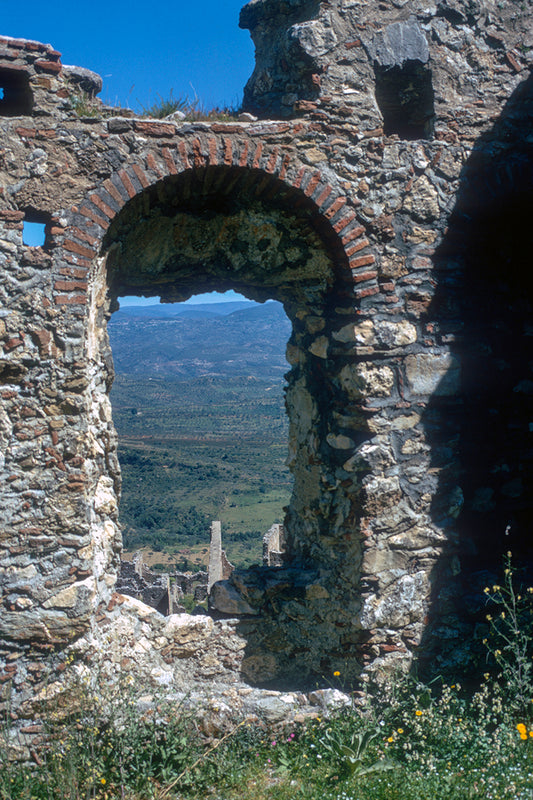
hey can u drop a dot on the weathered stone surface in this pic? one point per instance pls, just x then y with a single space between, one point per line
272 709
423 200
225 598
84 79
41 626
183 629
329 698
402 606
399 42
367 379
78 594
394 334
259 668
433 374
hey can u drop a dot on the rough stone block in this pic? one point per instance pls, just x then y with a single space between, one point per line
399 42
438 374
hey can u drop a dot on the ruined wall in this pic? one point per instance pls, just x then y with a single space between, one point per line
376 242
274 546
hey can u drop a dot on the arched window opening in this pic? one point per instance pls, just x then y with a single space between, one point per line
16 98
231 228
220 228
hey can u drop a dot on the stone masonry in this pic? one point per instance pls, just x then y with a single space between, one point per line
274 546
384 197
219 568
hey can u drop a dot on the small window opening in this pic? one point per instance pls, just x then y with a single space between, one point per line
406 100
16 98
33 234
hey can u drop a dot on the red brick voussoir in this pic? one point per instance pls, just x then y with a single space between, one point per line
222 150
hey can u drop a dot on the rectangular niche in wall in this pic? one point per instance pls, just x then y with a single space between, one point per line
16 98
406 100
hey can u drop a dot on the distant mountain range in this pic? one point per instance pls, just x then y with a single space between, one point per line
220 339
198 310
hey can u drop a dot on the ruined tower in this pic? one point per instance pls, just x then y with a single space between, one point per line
383 197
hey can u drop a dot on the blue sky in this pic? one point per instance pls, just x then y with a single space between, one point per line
143 51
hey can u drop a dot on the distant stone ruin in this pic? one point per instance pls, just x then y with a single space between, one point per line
274 546
384 197
164 590
220 568
160 590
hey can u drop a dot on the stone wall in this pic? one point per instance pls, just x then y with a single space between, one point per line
409 383
220 568
161 591
274 546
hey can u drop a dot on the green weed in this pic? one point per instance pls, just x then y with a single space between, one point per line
510 642
164 106
193 110
402 740
84 105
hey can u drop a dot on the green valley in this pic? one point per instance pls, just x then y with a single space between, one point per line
211 445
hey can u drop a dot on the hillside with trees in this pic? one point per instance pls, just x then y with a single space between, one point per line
199 408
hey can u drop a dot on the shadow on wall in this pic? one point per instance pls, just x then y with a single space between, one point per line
482 437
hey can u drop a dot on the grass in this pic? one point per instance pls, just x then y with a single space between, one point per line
408 742
84 105
402 740
193 110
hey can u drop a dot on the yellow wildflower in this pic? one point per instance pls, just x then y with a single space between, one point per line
418 713
400 730
103 781
336 673
521 728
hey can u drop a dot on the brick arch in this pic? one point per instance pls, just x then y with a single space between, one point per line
269 165
323 532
